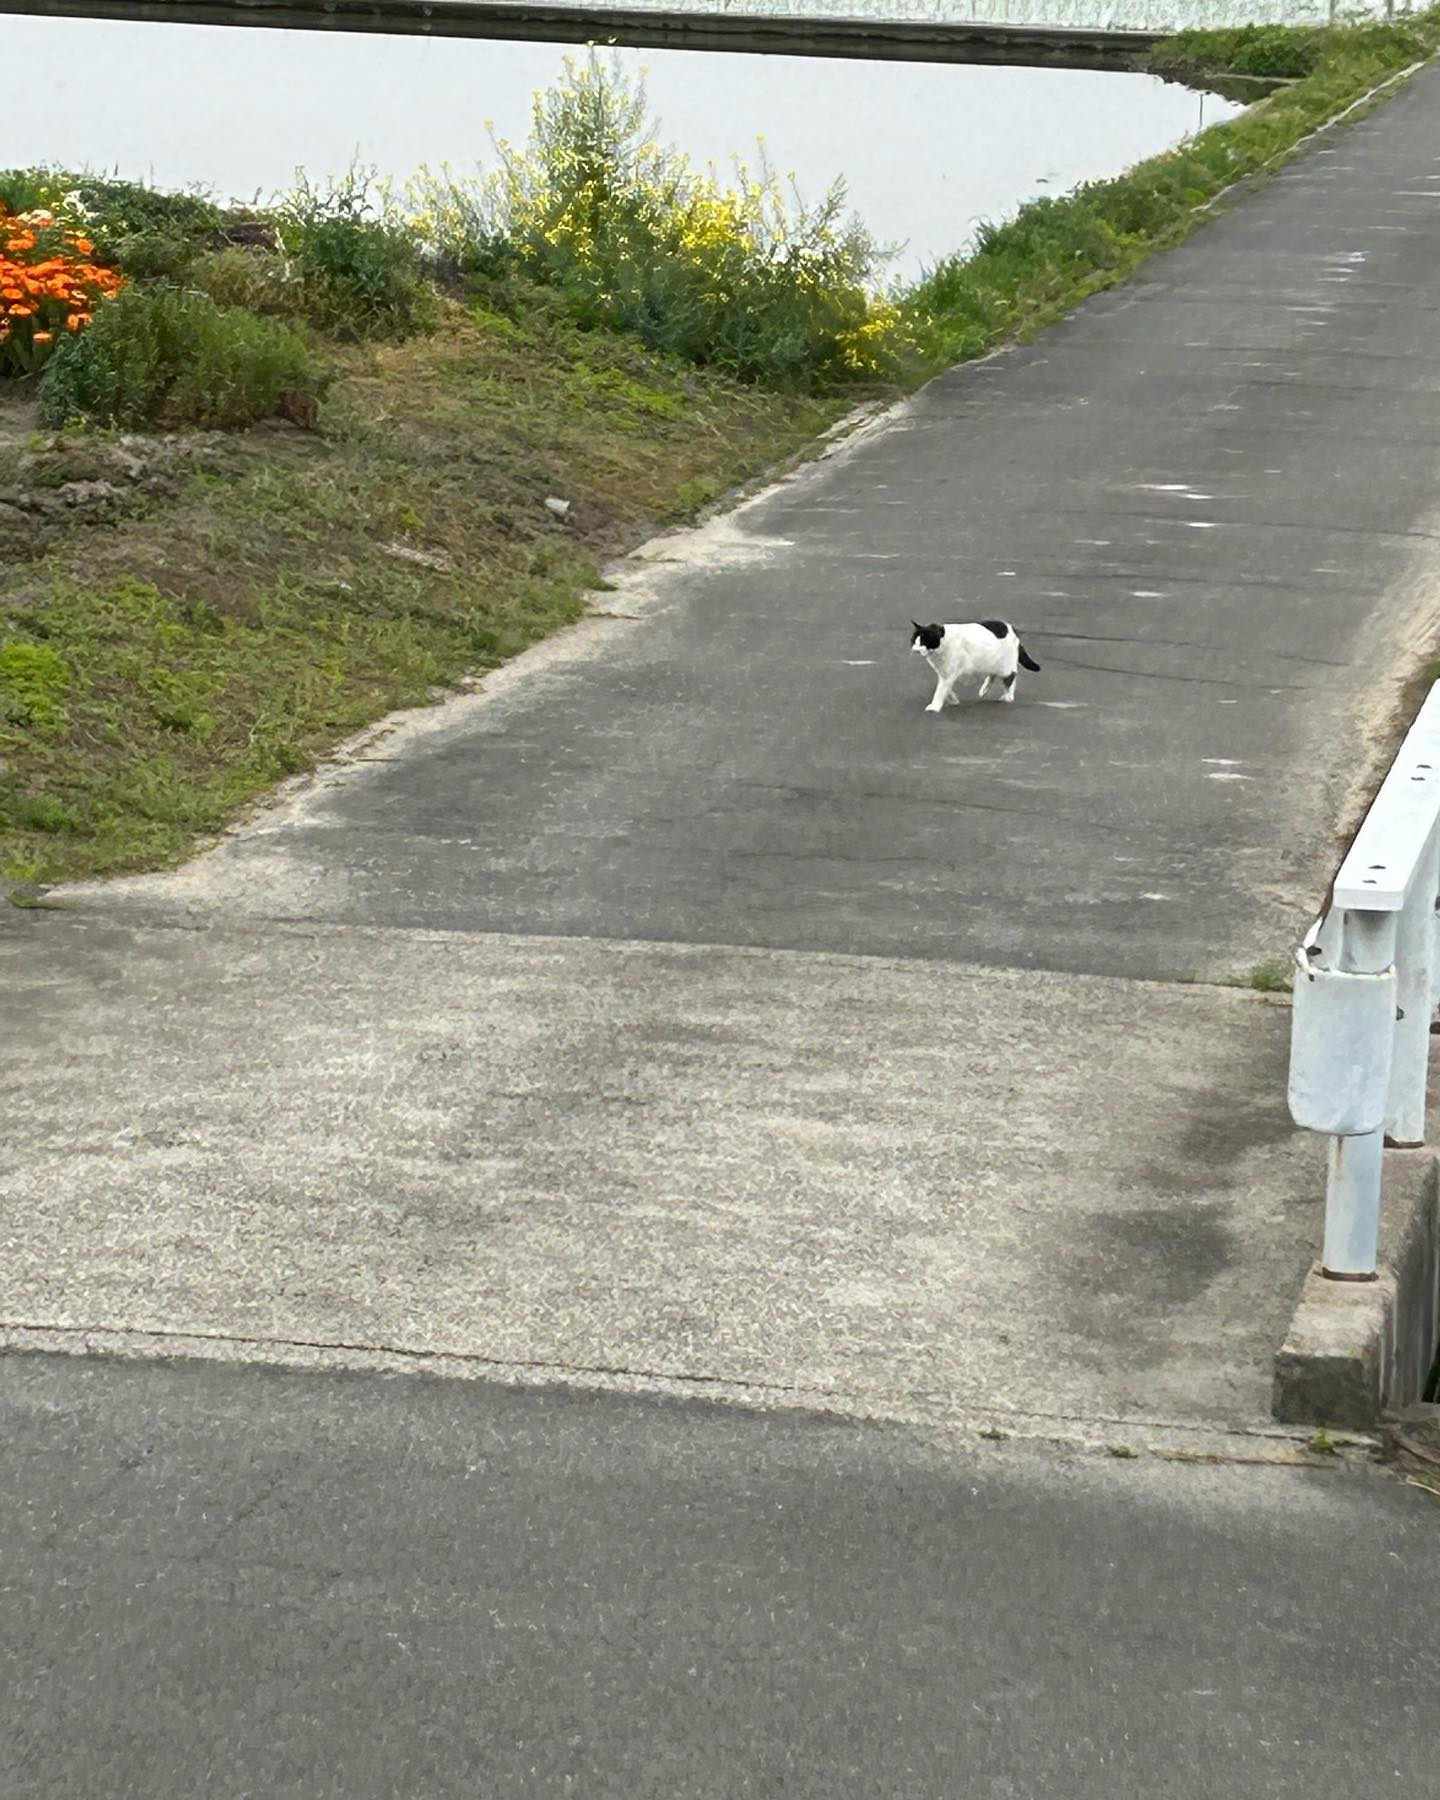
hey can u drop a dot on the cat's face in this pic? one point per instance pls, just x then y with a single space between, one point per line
925 638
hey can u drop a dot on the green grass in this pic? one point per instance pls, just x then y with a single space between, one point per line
160 670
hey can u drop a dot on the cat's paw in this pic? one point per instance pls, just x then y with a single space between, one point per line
935 706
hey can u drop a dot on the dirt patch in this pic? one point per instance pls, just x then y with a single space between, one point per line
55 485
19 412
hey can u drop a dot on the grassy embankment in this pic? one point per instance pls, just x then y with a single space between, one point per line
190 610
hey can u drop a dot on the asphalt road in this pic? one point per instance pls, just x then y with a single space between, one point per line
239 1583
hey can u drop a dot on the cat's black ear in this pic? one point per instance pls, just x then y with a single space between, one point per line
917 628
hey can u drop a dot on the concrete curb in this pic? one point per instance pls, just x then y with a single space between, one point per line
1356 1349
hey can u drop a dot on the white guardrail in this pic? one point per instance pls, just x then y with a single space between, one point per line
1366 989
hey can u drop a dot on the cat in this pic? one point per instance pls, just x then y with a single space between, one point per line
990 649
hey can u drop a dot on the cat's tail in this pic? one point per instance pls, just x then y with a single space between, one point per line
1027 661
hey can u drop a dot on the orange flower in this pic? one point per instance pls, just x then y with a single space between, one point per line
45 285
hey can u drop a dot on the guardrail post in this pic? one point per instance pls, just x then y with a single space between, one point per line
1352 1190
1414 1001
1366 989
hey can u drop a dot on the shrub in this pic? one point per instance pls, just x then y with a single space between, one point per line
455 222
1270 51
154 256
143 231
146 233
130 206
361 272
164 356
259 280
746 278
29 190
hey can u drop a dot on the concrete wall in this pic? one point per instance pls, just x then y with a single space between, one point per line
1356 1350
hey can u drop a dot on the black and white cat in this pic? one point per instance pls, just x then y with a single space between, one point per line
990 649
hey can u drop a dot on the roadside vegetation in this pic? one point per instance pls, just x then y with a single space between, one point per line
266 474
1022 274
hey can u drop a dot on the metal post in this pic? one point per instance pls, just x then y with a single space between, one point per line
1415 973
1352 1189
1352 1208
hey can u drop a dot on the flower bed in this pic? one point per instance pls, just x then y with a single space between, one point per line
49 285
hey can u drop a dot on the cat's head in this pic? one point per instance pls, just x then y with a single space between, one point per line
926 638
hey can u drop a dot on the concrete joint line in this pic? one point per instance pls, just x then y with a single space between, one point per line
1257 1444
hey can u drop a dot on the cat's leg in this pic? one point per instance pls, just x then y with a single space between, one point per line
984 687
944 690
1009 693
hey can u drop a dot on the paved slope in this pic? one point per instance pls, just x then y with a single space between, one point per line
898 1187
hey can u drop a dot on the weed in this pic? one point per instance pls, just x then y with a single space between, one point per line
695 495
1323 1444
1122 1452
261 281
361 272
746 278
1272 976
41 812
34 679
629 401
